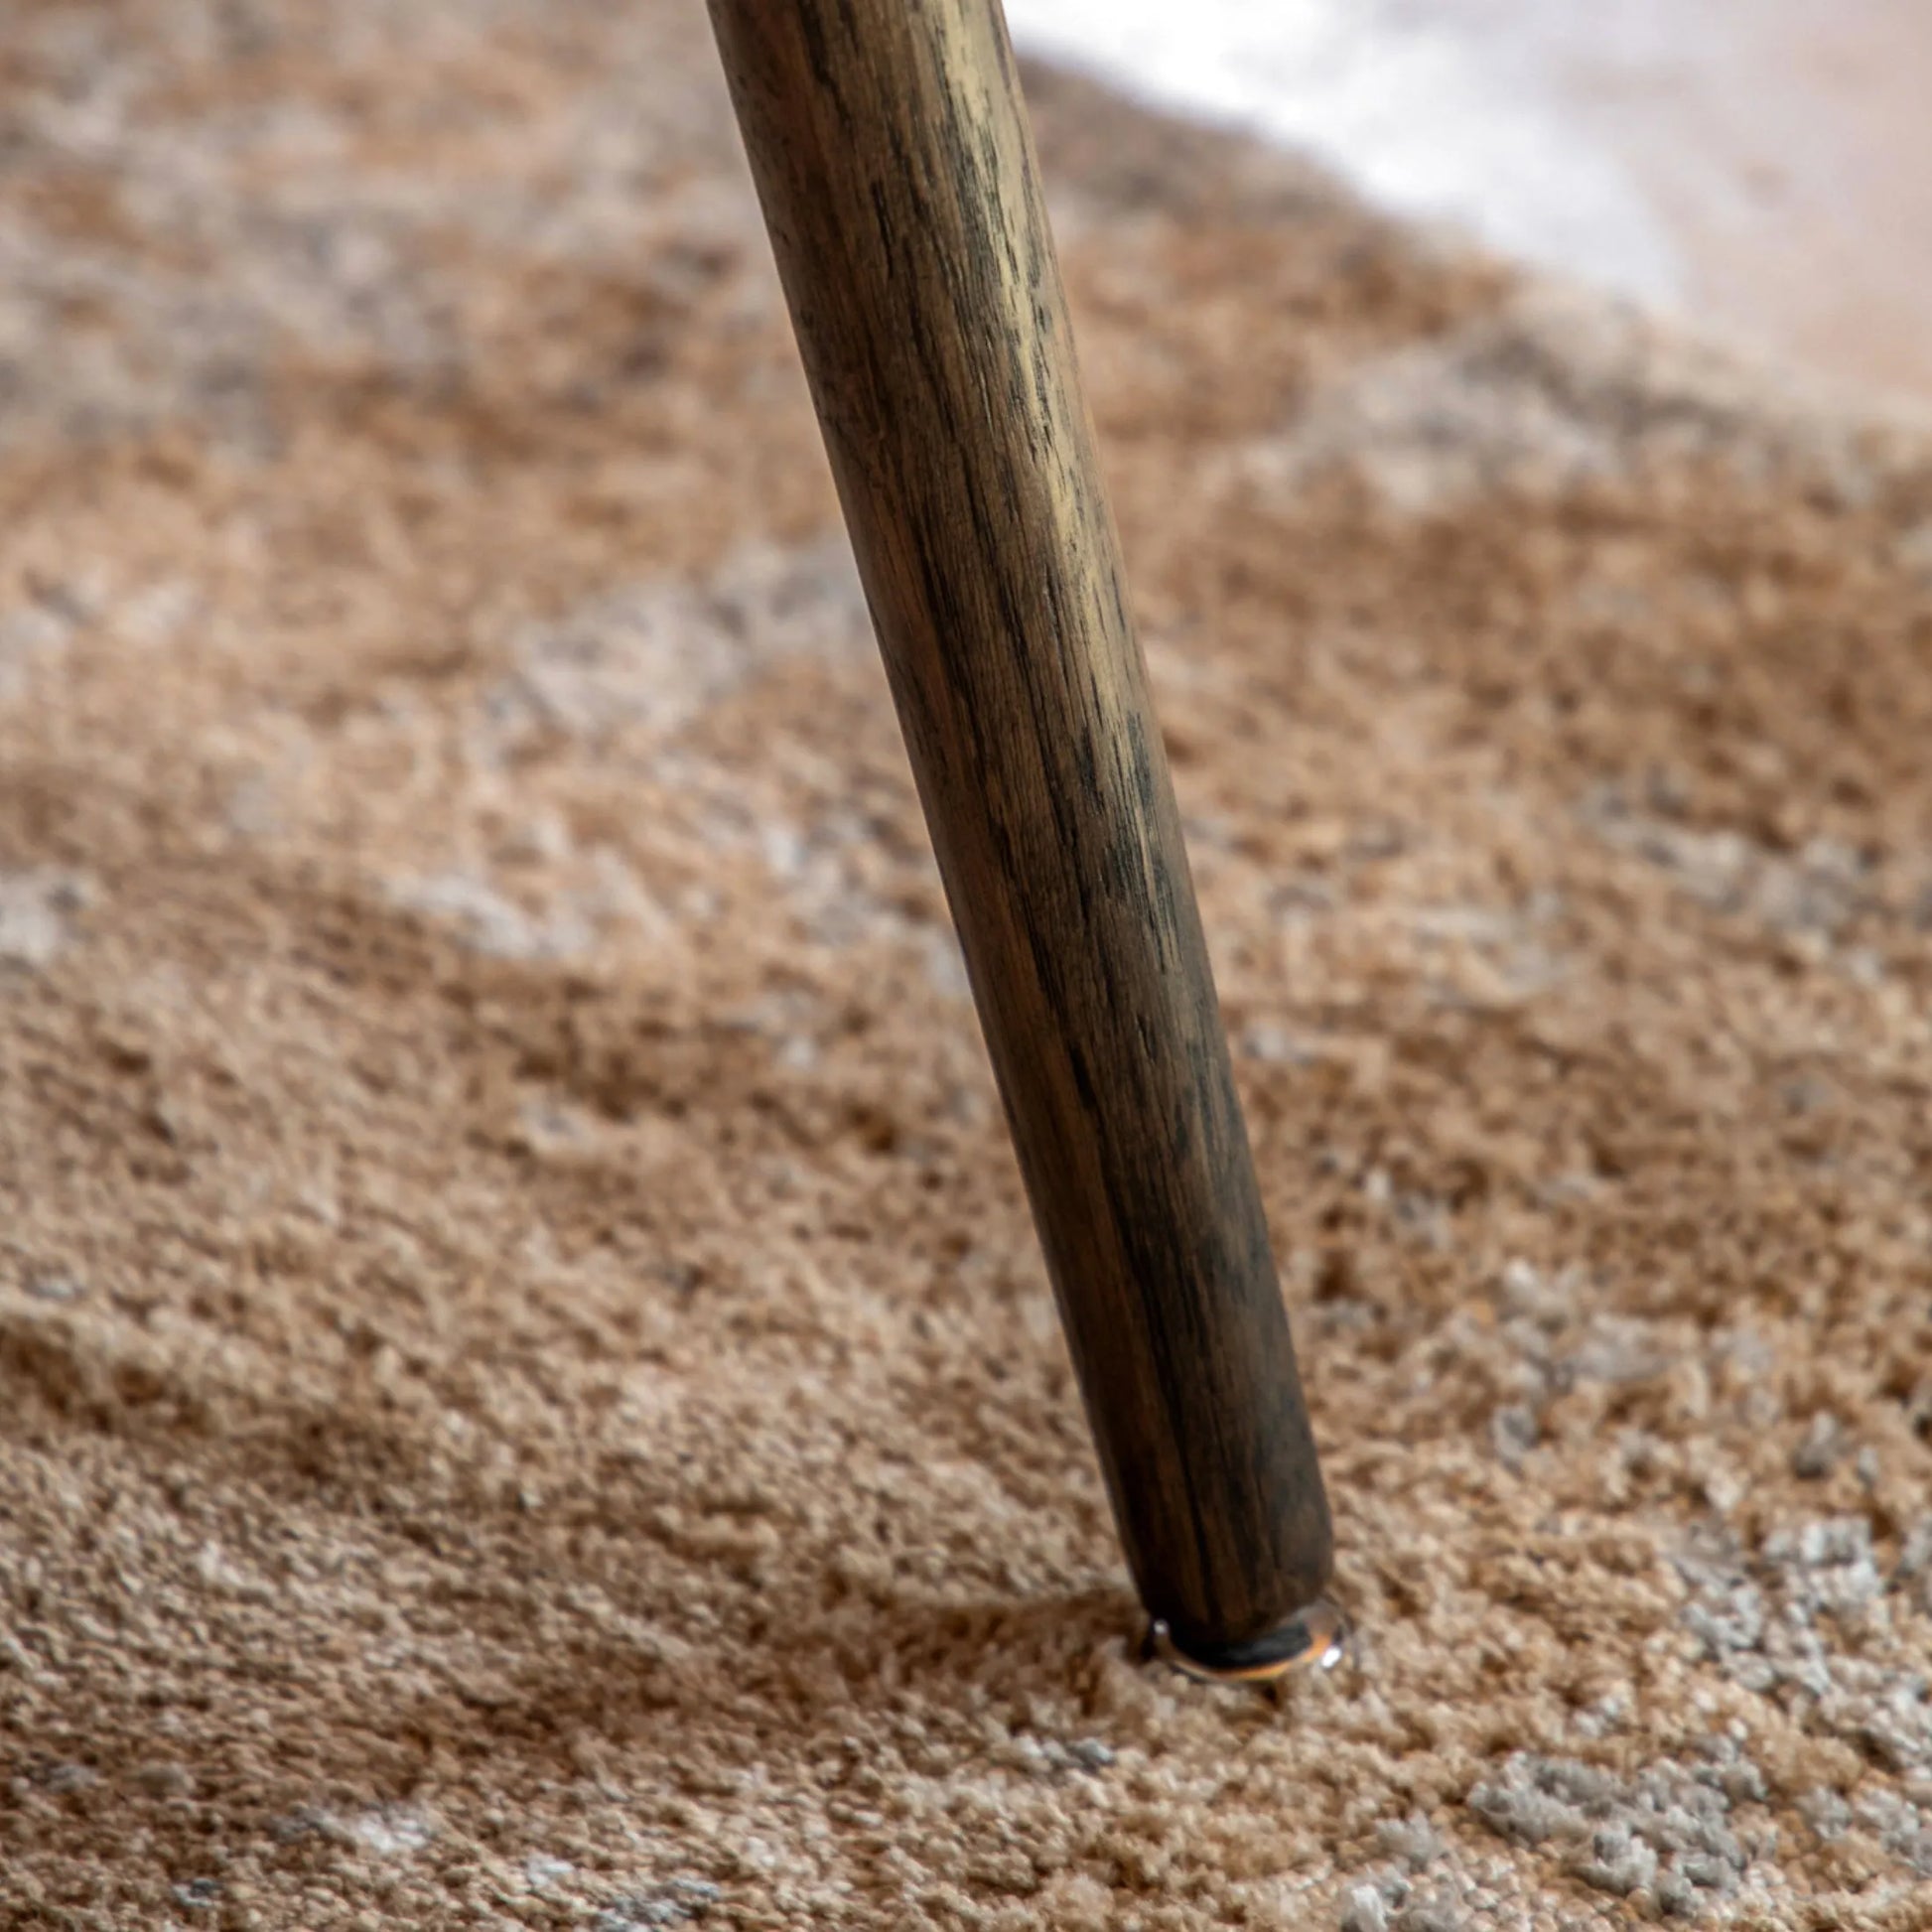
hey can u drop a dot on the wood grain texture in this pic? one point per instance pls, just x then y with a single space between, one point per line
898 181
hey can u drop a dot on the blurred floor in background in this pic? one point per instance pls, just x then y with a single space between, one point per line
1758 165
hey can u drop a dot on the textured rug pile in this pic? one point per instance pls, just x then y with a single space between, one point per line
528 1391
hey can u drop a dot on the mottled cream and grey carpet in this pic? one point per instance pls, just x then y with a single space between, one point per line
527 1392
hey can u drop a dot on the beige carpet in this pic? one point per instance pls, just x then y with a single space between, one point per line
527 1392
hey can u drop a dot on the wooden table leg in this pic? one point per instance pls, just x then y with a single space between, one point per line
899 184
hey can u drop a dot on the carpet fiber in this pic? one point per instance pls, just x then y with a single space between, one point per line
528 1391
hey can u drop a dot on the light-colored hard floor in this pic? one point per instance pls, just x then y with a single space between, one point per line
1758 165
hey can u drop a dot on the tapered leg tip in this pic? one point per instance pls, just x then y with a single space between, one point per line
1315 1638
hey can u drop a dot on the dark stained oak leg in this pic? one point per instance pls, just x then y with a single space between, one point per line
897 177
